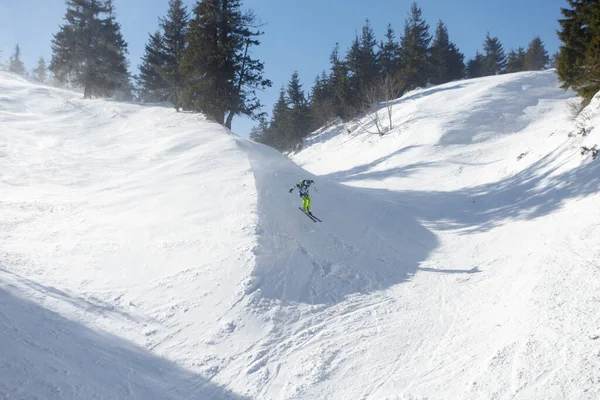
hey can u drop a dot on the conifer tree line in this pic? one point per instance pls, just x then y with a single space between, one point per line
363 76
201 59
16 65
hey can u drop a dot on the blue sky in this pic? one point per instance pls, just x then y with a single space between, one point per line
299 35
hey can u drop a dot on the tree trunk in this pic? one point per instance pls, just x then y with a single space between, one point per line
229 120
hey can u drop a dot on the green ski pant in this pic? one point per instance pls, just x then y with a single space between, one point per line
306 203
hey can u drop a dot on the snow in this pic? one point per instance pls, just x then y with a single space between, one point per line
151 254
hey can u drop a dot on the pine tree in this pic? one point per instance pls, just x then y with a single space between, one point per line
369 67
322 109
90 51
175 27
340 87
577 64
516 61
447 62
476 67
261 132
536 58
40 74
389 54
299 113
115 72
152 85
495 58
15 64
221 75
353 66
280 128
414 60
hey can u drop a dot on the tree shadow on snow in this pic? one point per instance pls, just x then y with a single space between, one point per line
91 305
496 116
534 192
47 356
364 171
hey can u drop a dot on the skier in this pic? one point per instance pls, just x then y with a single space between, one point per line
303 191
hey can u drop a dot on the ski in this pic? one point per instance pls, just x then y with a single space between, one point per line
314 217
307 214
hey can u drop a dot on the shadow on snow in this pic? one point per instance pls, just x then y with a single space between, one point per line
45 355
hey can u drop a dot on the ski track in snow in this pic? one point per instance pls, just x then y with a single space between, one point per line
151 254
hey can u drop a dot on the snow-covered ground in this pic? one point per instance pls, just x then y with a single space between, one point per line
151 254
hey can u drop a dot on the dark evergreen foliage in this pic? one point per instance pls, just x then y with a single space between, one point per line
476 67
221 76
536 58
389 54
175 27
516 61
151 84
415 67
447 62
578 62
495 58
89 50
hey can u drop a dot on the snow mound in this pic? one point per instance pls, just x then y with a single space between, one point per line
363 244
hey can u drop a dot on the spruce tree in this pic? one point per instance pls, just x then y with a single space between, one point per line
389 54
447 62
280 128
414 60
15 64
369 67
299 113
362 65
90 51
261 132
495 58
353 66
115 69
222 77
175 29
577 64
40 73
340 87
516 61
536 58
152 86
476 67
322 109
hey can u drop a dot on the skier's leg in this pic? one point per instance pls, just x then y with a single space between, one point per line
305 203
308 203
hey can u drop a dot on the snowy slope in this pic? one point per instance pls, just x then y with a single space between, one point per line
151 254
507 305
172 233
